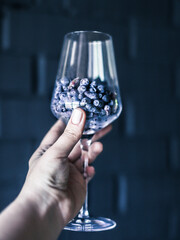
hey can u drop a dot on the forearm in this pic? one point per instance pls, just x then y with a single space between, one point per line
31 220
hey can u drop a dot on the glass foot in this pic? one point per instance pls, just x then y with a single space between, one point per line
90 224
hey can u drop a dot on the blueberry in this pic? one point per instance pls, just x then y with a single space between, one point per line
85 101
100 95
92 89
91 95
81 89
101 88
103 112
63 109
101 104
84 81
64 81
107 109
58 83
111 103
80 96
56 95
106 98
93 124
74 99
53 103
98 103
94 110
94 84
89 107
73 92
59 88
59 106
62 96
65 88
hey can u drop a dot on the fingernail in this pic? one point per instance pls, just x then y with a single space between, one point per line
76 116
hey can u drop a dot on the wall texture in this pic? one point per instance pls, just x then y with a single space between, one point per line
138 174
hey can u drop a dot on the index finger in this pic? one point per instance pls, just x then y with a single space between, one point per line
71 135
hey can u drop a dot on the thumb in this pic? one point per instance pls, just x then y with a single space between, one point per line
72 133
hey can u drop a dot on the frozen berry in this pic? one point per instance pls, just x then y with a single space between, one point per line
65 88
100 95
89 107
63 109
59 88
64 81
56 95
94 110
84 81
103 112
62 96
81 89
80 96
98 103
101 88
74 99
85 101
111 103
94 84
92 89
106 98
101 104
58 108
107 109
73 92
91 95
58 83
93 124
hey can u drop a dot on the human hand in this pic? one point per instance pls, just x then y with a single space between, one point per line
55 169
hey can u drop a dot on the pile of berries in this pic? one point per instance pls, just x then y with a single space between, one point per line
94 97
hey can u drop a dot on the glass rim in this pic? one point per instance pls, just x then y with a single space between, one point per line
106 35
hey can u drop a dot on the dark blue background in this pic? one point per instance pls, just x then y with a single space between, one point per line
137 181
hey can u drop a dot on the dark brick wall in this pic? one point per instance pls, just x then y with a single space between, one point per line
138 174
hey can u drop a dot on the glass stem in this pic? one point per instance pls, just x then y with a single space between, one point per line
85 142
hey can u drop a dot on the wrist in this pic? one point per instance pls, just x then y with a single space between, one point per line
43 208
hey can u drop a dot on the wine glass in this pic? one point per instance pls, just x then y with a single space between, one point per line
87 78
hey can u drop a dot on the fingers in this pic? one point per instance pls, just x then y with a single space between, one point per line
102 133
76 152
90 172
94 150
72 133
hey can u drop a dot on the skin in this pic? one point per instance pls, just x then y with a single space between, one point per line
55 188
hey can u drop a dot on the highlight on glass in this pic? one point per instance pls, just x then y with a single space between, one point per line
87 78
